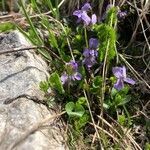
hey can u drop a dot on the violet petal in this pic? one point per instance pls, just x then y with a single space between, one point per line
93 43
86 18
86 7
119 84
74 65
118 72
89 62
86 53
77 13
94 19
124 71
90 57
96 53
77 76
64 78
122 14
92 53
130 81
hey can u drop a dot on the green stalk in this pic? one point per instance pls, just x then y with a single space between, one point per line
57 10
85 36
3 5
31 25
128 115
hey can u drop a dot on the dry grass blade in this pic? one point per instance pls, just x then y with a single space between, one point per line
126 137
92 119
134 71
126 134
109 125
142 25
106 132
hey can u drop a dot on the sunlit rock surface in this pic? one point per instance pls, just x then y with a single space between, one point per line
20 74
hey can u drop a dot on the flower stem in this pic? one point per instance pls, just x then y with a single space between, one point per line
85 35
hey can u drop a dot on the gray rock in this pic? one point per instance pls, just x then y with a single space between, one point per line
20 75
20 70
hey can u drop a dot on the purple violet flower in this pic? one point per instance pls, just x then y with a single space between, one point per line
71 72
93 43
90 57
122 14
91 53
120 73
83 16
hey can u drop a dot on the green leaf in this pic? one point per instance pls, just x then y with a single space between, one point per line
57 10
52 39
124 100
38 38
69 107
44 86
113 92
147 146
124 91
118 99
82 121
73 109
129 123
106 106
79 109
81 101
107 38
78 38
51 7
111 16
96 85
55 82
7 26
97 81
122 119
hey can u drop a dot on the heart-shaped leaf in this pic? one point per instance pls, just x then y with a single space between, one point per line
73 109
